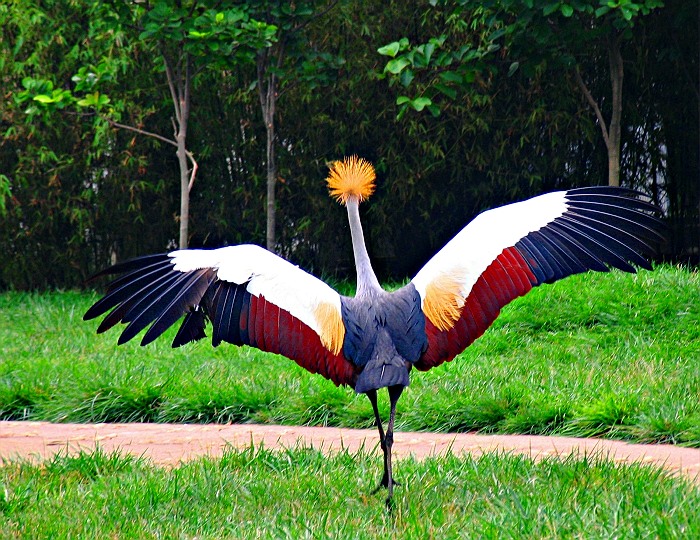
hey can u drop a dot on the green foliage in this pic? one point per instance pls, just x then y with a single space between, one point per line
55 169
531 30
79 194
92 100
5 193
219 37
219 34
445 65
229 37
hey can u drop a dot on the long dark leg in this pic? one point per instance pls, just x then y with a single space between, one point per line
394 395
372 395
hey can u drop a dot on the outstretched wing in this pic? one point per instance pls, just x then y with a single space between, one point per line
505 252
250 295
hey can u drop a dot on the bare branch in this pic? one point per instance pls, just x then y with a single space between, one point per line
170 75
592 102
193 173
141 131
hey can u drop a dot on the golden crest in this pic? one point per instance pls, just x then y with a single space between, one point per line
351 177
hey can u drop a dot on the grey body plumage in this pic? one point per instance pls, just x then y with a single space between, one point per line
384 335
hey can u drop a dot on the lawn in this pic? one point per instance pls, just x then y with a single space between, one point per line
299 493
611 355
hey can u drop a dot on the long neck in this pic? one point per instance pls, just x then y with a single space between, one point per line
366 280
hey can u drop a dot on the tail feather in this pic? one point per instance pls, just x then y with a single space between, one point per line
383 372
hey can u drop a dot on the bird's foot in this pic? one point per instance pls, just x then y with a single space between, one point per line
390 505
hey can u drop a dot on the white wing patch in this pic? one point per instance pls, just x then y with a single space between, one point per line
454 270
292 289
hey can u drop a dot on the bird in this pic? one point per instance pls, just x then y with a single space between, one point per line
371 341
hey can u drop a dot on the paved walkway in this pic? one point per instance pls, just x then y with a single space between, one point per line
169 444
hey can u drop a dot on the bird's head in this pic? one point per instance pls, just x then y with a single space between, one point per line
353 177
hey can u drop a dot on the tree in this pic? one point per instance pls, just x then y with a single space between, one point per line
291 60
83 193
55 172
570 32
188 38
537 32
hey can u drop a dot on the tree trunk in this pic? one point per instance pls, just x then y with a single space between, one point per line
270 236
184 189
183 121
612 135
615 131
267 91
180 85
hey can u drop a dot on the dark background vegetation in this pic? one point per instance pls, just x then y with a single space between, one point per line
75 203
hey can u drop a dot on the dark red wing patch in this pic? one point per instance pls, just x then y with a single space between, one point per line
152 292
506 278
267 327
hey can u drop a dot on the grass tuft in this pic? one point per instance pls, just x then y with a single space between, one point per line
87 466
300 493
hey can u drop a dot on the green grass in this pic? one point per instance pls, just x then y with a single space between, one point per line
596 355
299 493
610 355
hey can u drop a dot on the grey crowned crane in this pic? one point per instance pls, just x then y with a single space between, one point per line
369 342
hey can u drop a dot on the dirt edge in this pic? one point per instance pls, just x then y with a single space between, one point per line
170 444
